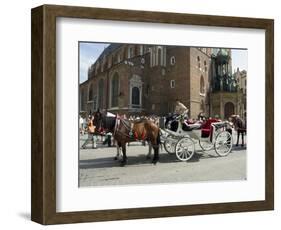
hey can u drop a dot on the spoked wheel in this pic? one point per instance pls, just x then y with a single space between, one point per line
185 149
223 143
206 145
170 146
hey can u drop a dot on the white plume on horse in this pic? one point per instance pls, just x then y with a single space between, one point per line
108 114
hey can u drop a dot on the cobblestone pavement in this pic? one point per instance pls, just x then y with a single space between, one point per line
98 168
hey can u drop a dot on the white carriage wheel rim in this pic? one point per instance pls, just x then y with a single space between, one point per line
206 149
185 155
228 145
172 146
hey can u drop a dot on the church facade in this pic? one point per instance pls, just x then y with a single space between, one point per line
147 79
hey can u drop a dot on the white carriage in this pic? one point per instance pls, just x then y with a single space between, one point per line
212 134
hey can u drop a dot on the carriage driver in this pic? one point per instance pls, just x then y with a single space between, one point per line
180 108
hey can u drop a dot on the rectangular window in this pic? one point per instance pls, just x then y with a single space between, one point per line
172 83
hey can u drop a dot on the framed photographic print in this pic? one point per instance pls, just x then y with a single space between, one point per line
141 114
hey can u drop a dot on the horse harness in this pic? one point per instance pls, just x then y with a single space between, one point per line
129 126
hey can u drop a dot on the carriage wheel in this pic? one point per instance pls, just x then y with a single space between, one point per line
223 143
170 146
185 149
206 145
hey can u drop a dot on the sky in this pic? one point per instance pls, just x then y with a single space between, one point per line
239 59
89 52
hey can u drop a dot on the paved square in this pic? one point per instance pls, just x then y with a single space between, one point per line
98 168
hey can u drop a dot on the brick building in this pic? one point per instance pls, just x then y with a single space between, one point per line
147 79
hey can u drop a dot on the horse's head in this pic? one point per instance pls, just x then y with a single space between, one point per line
97 119
233 118
102 121
237 121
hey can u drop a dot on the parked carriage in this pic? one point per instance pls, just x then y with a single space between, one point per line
212 134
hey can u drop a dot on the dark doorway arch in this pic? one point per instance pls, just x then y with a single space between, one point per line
228 109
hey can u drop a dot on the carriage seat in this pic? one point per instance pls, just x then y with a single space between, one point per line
206 128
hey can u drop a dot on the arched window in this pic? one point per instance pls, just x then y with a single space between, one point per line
114 90
141 50
202 85
205 66
173 60
101 90
198 62
135 97
91 93
159 56
130 52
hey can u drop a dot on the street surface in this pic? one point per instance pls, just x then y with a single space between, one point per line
98 168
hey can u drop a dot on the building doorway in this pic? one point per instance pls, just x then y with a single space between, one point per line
228 110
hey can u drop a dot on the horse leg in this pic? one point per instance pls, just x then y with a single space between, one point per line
148 156
118 146
156 155
238 134
124 161
156 144
242 134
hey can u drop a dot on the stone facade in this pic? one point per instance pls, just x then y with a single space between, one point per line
147 79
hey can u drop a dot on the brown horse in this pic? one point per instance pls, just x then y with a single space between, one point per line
125 131
240 126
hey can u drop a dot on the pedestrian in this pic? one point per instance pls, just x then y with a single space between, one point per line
107 139
81 124
91 133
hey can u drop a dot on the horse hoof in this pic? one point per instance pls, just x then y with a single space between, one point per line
115 158
122 164
154 162
236 144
